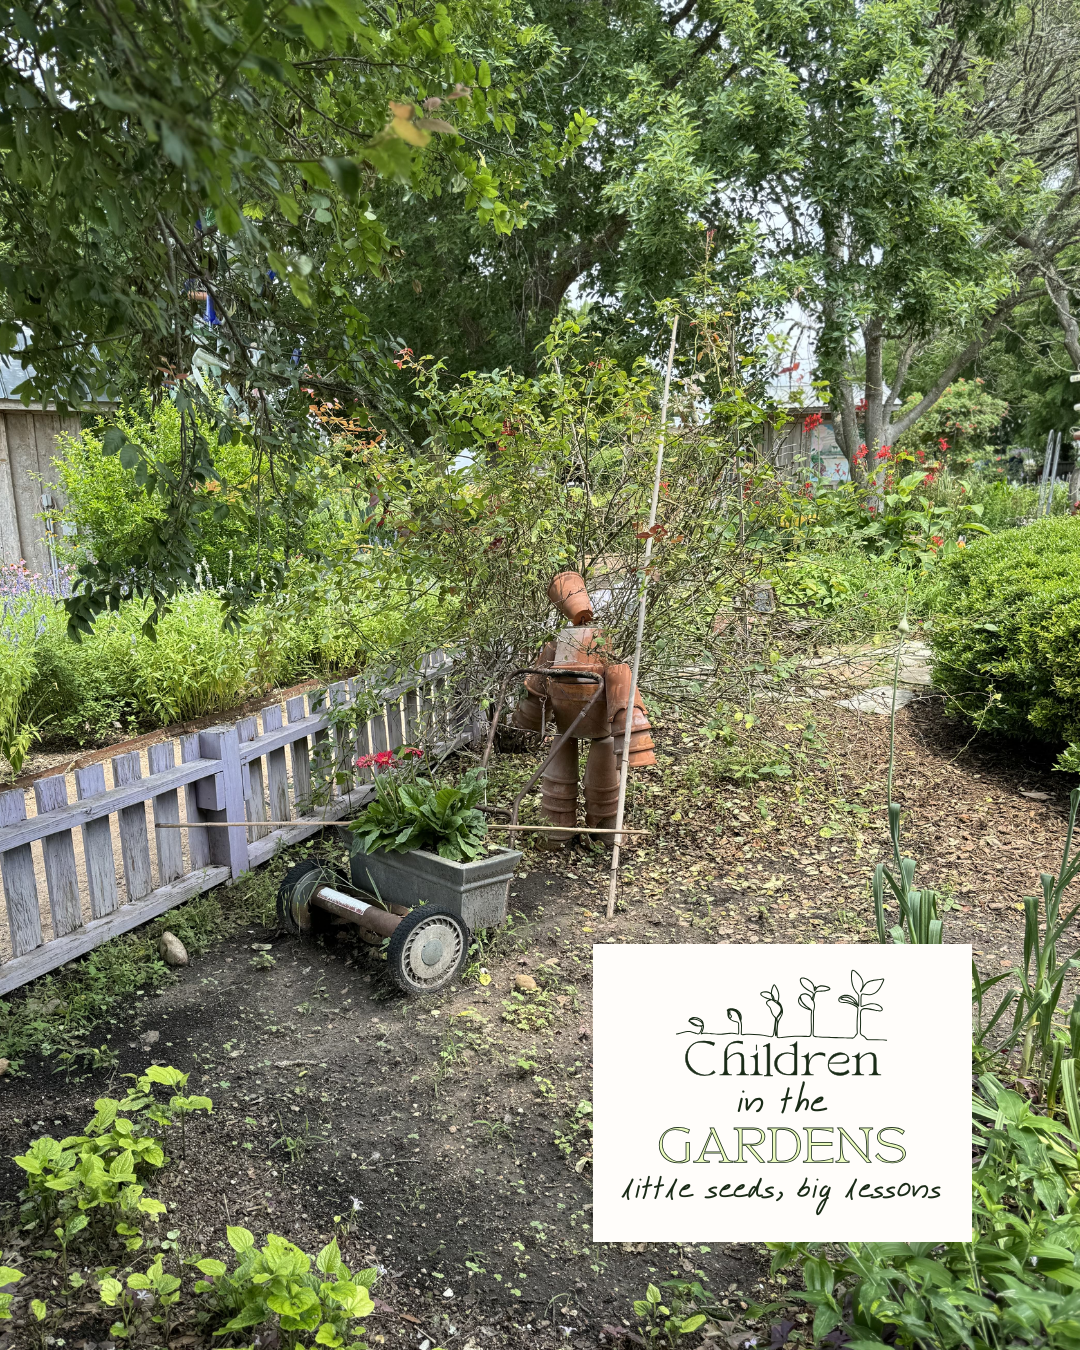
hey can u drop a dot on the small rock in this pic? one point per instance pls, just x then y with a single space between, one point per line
53 1005
5 1064
173 952
150 1037
525 982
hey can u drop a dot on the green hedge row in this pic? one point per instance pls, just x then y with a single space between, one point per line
1006 632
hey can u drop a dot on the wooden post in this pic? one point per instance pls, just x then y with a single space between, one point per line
59 852
134 843
227 847
170 853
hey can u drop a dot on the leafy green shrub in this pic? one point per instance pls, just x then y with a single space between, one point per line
100 1174
276 1283
114 516
1007 634
412 812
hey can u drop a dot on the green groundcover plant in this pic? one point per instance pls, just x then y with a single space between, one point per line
1007 634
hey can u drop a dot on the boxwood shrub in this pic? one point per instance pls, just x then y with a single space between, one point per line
1006 632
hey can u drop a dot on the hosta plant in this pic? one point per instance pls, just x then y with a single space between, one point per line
412 811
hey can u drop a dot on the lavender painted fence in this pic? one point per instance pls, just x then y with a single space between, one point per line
240 772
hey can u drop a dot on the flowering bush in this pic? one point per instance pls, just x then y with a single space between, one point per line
959 426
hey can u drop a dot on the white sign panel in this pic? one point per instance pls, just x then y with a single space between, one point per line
782 1093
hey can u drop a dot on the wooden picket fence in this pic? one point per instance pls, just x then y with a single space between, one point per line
236 772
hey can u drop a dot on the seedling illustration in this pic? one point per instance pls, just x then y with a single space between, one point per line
772 1002
863 988
808 1000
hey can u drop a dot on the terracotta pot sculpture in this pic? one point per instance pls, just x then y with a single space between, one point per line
568 594
571 665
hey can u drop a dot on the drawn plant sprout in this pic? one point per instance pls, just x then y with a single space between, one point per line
808 1000
734 1015
863 989
772 1002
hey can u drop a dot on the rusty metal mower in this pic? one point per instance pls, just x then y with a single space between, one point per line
428 944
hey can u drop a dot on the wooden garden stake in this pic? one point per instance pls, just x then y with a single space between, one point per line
643 583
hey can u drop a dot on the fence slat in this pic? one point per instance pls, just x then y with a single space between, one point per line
170 844
277 773
227 846
301 762
322 755
20 884
412 714
134 843
395 725
344 769
97 845
197 841
61 878
251 774
377 731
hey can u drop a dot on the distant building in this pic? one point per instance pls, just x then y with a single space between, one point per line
28 435
809 450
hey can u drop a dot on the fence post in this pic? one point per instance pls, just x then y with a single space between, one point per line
227 847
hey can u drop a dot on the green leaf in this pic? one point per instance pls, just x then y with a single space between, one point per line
239 1239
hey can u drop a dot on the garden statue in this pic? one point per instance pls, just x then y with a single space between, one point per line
574 669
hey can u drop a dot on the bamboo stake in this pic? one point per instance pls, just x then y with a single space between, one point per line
643 584
308 820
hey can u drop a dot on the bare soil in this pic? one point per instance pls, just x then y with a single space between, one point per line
442 1139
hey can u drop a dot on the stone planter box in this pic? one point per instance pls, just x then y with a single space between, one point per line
476 891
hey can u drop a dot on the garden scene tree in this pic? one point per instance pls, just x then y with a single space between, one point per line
627 451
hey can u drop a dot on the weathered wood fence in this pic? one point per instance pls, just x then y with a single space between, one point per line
236 772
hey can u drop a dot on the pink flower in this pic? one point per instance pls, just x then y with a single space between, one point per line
412 750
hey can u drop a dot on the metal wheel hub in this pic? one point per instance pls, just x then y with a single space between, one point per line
433 948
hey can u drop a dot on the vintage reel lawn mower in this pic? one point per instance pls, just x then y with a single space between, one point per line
427 906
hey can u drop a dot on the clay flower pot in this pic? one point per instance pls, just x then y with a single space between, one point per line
617 687
568 594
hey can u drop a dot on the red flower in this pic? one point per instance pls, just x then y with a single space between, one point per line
382 759
936 540
813 421
943 443
412 750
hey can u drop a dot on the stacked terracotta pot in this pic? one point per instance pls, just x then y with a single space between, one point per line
573 666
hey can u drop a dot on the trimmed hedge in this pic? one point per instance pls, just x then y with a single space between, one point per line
1006 632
